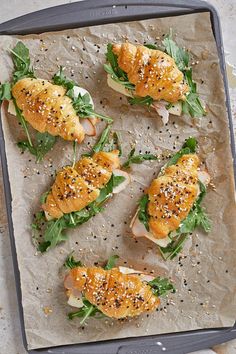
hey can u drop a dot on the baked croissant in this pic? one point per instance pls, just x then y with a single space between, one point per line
114 293
170 198
153 72
47 108
76 187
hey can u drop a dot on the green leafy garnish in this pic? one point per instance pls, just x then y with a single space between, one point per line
174 247
161 286
60 79
151 46
43 143
5 92
180 56
84 108
71 263
192 105
21 60
117 142
147 100
103 140
88 310
189 147
53 230
82 103
142 213
111 263
138 159
43 197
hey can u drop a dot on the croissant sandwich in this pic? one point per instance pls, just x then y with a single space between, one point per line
118 292
57 108
170 208
78 193
46 108
76 187
153 77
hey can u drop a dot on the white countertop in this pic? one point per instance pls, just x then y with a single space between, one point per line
10 334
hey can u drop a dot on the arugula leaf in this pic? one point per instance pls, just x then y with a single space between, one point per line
191 143
88 310
117 180
81 104
22 122
151 46
174 247
117 142
111 263
189 147
147 100
71 263
60 79
21 60
103 140
161 286
5 92
44 197
53 234
180 56
142 213
74 153
192 104
44 143
84 108
138 159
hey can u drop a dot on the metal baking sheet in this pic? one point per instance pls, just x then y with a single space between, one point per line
94 12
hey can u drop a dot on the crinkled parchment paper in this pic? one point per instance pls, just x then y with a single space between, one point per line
205 278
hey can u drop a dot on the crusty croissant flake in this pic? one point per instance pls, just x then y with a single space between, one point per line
153 72
47 108
115 294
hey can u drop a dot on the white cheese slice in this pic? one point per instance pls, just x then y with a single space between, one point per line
116 86
11 108
176 109
75 301
204 177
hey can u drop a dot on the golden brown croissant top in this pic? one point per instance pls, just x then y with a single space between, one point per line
76 187
116 294
46 107
172 195
153 72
